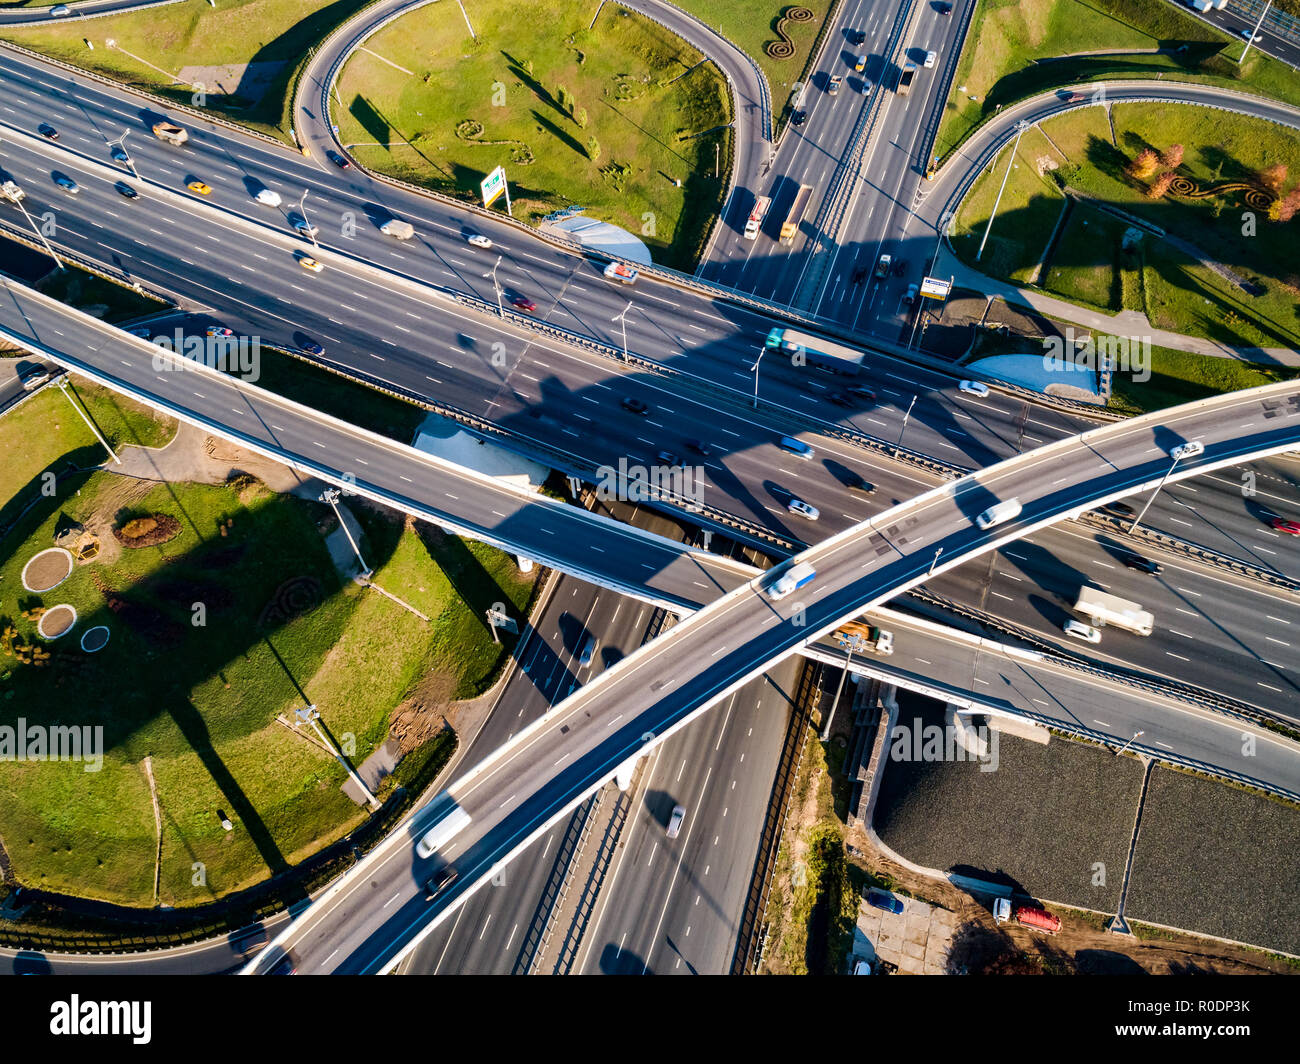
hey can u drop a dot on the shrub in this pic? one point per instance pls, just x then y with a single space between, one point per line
1172 157
1144 165
148 531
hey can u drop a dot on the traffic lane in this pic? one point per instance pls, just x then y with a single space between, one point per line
1053 693
1207 627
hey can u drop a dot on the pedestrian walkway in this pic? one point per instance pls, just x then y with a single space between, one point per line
1125 323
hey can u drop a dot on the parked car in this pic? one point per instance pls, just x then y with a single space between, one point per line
1079 630
880 900
1141 564
976 388
635 406
1282 524
439 882
803 509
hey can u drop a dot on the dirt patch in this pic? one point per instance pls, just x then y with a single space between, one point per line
56 621
425 713
149 530
47 570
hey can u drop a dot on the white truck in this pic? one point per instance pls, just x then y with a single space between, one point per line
442 832
170 132
1103 609
858 636
395 227
1200 5
13 192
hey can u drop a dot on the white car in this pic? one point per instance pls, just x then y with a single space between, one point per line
305 228
1187 450
478 240
59 10
1079 630
271 199
1245 36
803 509
930 57
976 388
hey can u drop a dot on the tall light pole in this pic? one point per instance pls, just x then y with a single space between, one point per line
121 143
850 645
761 352
1254 31
1177 457
1136 734
1021 126
39 235
311 715
500 310
904 428
302 209
63 387
623 319
331 496
934 561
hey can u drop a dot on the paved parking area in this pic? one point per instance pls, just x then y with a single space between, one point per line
917 940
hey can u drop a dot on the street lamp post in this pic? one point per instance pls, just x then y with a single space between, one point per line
331 496
500 309
121 143
761 352
63 387
302 209
904 428
1254 32
934 561
311 715
39 235
850 645
622 319
1136 734
1021 126
1176 458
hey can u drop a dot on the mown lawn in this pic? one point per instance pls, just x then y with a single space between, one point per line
278 630
607 117
1174 290
1008 38
153 47
1180 377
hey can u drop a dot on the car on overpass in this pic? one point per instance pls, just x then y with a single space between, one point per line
930 57
439 881
976 388
523 303
834 87
799 117
635 406
675 821
338 160
1078 630
478 240
47 131
201 187
67 184
803 509
125 191
1283 524
1140 564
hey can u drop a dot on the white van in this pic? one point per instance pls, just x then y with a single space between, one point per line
796 447
442 832
795 578
996 515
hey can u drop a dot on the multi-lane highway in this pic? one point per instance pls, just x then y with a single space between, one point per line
547 770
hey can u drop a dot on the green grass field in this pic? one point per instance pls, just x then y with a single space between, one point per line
154 47
279 630
1180 377
1008 39
439 110
1086 265
751 26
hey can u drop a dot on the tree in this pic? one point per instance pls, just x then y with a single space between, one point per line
1273 177
1144 165
1287 206
1172 157
580 116
1160 185
566 99
593 149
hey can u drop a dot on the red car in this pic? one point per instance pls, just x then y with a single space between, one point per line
1291 528
523 303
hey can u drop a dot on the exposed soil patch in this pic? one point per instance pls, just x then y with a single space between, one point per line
56 621
47 570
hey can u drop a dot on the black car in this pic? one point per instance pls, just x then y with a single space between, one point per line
859 275
635 406
439 882
668 458
841 398
47 131
337 160
863 392
799 117
1119 509
699 447
900 267
944 9
313 348
123 189
1141 564
857 37
856 483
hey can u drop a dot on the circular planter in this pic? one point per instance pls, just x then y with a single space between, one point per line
95 639
47 570
56 621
